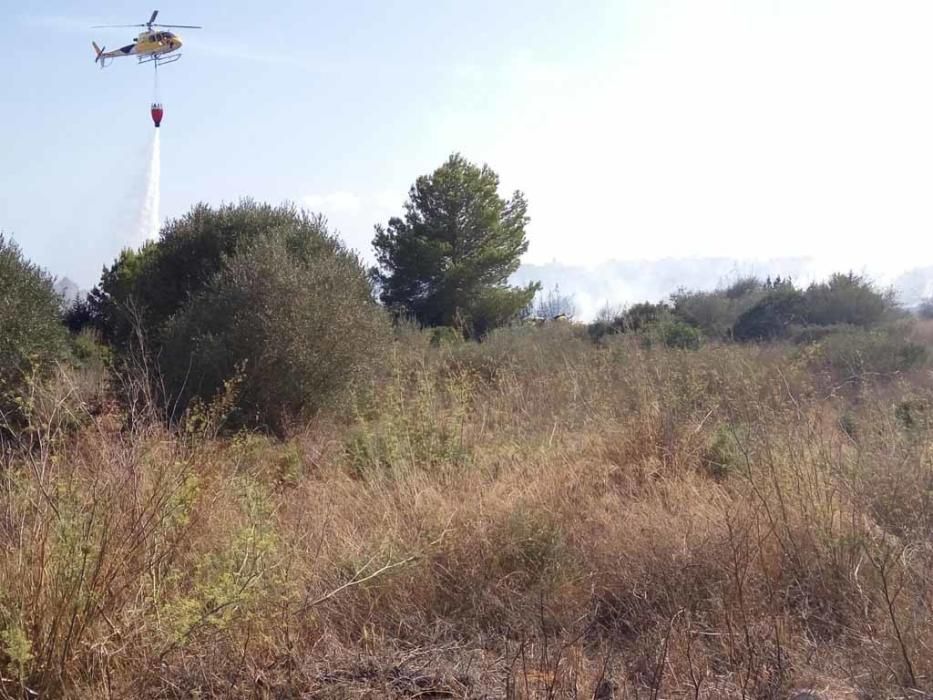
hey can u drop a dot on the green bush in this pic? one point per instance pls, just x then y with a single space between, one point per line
638 318
716 312
597 330
641 317
149 285
32 336
677 334
773 317
88 351
742 288
291 315
722 456
847 299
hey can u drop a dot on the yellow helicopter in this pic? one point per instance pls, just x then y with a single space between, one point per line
151 46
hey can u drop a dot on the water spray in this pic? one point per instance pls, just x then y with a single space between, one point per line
148 227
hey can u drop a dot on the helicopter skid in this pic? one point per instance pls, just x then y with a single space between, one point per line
160 60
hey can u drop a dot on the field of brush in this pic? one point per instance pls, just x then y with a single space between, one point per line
536 516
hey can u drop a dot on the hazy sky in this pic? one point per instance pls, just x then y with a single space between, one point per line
637 129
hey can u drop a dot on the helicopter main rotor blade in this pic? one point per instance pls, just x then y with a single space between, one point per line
152 19
120 26
178 26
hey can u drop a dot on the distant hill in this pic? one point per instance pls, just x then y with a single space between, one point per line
620 282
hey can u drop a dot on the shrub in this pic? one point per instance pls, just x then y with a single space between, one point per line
294 315
847 299
772 317
31 333
723 456
641 316
678 335
638 318
88 351
151 284
743 287
712 312
79 315
600 329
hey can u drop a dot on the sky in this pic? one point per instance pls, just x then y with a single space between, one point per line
638 129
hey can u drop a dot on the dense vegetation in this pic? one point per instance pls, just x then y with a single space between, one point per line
259 295
31 335
242 477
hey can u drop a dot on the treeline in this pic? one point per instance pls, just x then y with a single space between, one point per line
753 310
265 303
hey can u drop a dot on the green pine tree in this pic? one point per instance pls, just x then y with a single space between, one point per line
448 261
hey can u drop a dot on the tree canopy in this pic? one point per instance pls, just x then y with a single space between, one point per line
261 293
147 286
294 324
31 332
447 261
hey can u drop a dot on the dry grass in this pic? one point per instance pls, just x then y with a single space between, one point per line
536 517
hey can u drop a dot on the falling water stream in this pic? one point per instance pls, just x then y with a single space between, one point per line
148 228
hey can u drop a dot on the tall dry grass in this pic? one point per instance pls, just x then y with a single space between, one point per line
533 517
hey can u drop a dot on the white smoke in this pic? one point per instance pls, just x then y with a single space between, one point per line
148 227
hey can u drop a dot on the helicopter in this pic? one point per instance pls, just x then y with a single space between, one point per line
151 46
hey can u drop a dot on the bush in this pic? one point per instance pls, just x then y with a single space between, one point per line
723 456
638 318
771 318
598 330
678 335
712 312
847 299
641 317
742 288
151 284
716 312
32 336
291 315
79 315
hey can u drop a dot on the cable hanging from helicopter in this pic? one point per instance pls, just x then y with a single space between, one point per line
156 110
